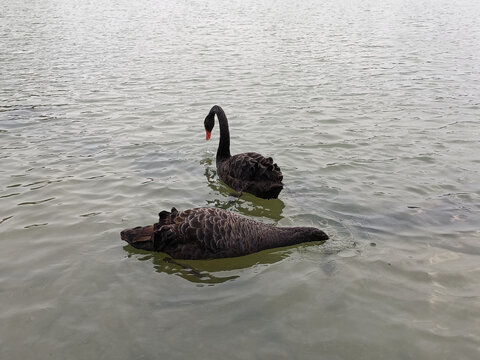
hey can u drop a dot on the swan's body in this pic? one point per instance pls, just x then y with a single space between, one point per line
248 172
207 233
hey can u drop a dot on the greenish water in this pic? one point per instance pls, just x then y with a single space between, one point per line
370 108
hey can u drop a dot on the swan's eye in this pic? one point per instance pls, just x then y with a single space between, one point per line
209 122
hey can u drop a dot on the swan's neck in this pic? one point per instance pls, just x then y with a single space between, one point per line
223 151
290 236
294 235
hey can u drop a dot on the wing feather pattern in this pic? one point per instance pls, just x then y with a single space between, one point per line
252 173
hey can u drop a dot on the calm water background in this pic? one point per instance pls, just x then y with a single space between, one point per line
371 108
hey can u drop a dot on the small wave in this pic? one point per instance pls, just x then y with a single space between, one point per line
34 225
5 219
35 202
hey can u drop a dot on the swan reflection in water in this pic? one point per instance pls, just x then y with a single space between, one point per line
207 272
267 211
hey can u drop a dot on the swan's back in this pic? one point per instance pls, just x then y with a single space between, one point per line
206 233
252 173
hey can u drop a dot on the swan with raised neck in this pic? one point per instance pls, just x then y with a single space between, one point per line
247 172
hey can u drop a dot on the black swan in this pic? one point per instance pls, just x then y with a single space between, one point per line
208 233
249 172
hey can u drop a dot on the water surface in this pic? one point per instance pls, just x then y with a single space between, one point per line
370 108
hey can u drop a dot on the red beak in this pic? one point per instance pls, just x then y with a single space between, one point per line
209 133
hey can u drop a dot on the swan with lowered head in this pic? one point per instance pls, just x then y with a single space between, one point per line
208 233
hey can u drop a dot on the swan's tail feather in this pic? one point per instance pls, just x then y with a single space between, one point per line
274 191
164 237
139 237
166 217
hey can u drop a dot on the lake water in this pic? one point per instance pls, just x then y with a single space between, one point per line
371 109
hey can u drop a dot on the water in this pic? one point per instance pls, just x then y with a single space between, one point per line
370 108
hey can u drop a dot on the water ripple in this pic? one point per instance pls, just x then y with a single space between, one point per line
36 202
370 108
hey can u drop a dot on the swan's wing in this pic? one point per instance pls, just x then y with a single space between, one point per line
253 167
194 233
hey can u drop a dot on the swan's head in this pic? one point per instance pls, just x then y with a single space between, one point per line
319 235
314 234
208 123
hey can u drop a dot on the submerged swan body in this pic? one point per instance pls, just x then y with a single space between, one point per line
208 233
248 172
